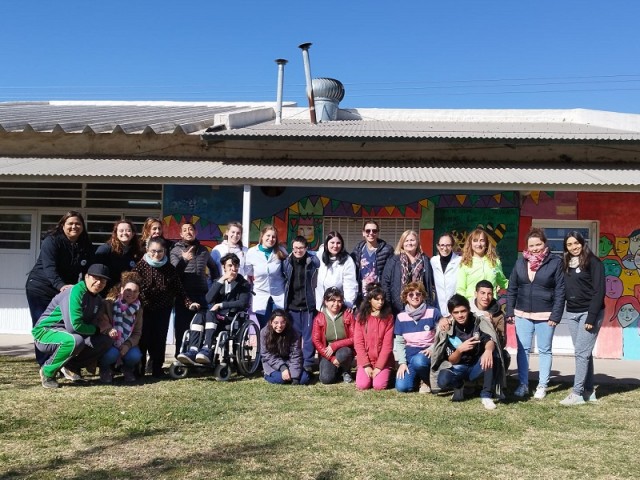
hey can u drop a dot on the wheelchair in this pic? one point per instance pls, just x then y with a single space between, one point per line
237 347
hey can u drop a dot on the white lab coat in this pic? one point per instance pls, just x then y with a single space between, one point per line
446 281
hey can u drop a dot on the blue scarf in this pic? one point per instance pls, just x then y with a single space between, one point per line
153 263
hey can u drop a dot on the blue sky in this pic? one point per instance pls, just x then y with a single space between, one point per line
421 54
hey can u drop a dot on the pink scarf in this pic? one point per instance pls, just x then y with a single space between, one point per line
535 259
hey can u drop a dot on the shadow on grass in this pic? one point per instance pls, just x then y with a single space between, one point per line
247 460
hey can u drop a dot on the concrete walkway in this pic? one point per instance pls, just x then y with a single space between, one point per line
607 371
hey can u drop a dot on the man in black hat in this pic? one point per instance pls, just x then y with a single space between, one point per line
67 329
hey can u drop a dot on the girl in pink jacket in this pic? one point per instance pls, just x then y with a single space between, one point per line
373 340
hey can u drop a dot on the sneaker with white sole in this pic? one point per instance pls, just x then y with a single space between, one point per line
204 356
48 382
70 374
522 390
541 392
458 394
488 403
347 378
589 396
187 358
573 399
424 388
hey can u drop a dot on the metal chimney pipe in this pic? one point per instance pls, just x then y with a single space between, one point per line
307 73
281 63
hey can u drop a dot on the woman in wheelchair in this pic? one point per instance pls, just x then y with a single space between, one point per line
282 351
228 295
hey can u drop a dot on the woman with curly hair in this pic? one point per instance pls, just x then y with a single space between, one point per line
121 252
282 351
373 340
480 261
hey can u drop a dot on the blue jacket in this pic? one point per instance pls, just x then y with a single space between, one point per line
544 294
311 273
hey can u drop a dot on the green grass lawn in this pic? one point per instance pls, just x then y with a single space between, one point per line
245 428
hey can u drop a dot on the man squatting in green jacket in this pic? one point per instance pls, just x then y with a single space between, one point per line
67 330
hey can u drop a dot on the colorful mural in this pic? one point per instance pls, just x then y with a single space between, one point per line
507 216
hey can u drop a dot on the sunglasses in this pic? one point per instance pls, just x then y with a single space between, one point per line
414 294
371 230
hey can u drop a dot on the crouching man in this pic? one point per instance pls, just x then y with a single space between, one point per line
67 330
229 294
470 346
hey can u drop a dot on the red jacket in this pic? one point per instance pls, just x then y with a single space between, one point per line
319 334
373 342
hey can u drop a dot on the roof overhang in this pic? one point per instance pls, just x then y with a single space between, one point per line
465 175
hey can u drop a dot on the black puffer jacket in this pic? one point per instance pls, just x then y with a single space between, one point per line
544 294
61 262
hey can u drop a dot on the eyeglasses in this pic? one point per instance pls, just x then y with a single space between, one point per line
337 300
156 252
414 294
371 230
445 245
299 248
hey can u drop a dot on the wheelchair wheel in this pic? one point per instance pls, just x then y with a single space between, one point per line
222 372
247 349
178 370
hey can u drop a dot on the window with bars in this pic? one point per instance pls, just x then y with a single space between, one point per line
15 231
555 230
351 229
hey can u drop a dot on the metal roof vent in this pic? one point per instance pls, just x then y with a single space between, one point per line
327 93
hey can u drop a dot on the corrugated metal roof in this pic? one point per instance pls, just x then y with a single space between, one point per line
110 117
393 174
428 130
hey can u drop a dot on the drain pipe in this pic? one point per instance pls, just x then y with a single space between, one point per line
307 73
281 63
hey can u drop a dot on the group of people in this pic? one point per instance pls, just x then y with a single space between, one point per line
434 322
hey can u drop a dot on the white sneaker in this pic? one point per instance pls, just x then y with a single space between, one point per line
589 396
522 390
488 403
424 388
70 374
572 399
541 392
458 395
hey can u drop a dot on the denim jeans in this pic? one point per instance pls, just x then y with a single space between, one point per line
583 343
525 330
418 368
130 360
276 378
455 376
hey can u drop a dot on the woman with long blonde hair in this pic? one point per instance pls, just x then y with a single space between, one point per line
480 261
264 268
409 264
